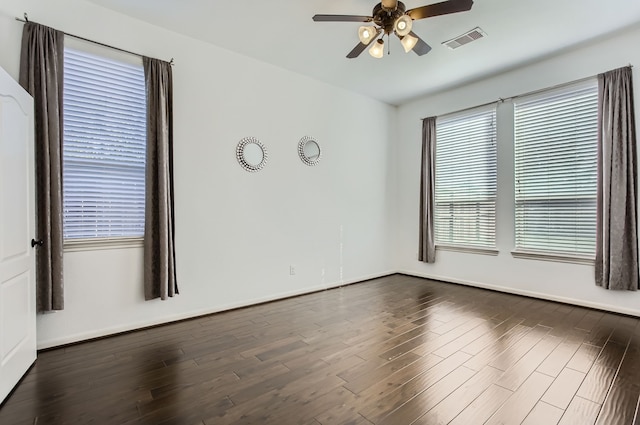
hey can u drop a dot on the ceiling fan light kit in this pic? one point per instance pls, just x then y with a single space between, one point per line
391 16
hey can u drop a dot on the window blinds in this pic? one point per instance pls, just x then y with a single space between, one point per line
465 188
103 147
555 171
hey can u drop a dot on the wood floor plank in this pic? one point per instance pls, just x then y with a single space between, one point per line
564 388
433 344
399 378
467 338
509 357
345 411
524 367
620 405
375 375
580 412
517 407
416 407
404 348
589 320
289 403
500 331
483 407
597 383
602 330
543 413
454 403
621 402
601 375
584 358
384 405
559 357
497 348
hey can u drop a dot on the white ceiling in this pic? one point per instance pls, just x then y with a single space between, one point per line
281 32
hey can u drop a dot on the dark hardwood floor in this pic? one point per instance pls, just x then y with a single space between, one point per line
396 350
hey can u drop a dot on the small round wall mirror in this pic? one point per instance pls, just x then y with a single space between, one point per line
251 154
309 150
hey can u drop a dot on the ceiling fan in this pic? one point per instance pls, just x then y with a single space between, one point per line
391 16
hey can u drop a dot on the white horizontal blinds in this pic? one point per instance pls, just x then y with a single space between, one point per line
465 189
103 147
555 171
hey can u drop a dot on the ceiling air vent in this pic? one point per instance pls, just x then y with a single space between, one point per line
465 38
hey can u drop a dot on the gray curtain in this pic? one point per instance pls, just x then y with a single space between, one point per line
41 68
616 226
159 251
427 245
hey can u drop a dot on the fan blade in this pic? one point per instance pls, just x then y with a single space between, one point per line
361 46
357 50
421 47
442 8
342 18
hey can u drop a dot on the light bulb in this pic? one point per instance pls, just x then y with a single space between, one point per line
377 50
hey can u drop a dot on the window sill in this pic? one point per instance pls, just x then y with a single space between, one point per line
557 257
467 249
75 245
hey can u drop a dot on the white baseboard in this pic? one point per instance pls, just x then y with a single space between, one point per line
99 333
548 297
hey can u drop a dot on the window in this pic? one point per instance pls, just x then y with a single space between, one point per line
555 171
465 186
103 147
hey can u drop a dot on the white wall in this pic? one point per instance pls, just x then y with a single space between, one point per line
237 233
552 280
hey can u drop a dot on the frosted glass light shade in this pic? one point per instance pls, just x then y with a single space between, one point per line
366 34
403 25
377 50
408 42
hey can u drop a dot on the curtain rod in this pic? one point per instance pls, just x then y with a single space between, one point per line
504 99
26 19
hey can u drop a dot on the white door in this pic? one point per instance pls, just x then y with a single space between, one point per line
17 227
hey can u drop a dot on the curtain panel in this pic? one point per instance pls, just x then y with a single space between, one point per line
427 245
41 71
616 265
159 246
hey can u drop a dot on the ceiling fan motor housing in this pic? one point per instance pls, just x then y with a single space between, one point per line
386 19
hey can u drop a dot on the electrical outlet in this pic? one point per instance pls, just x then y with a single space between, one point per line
292 270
